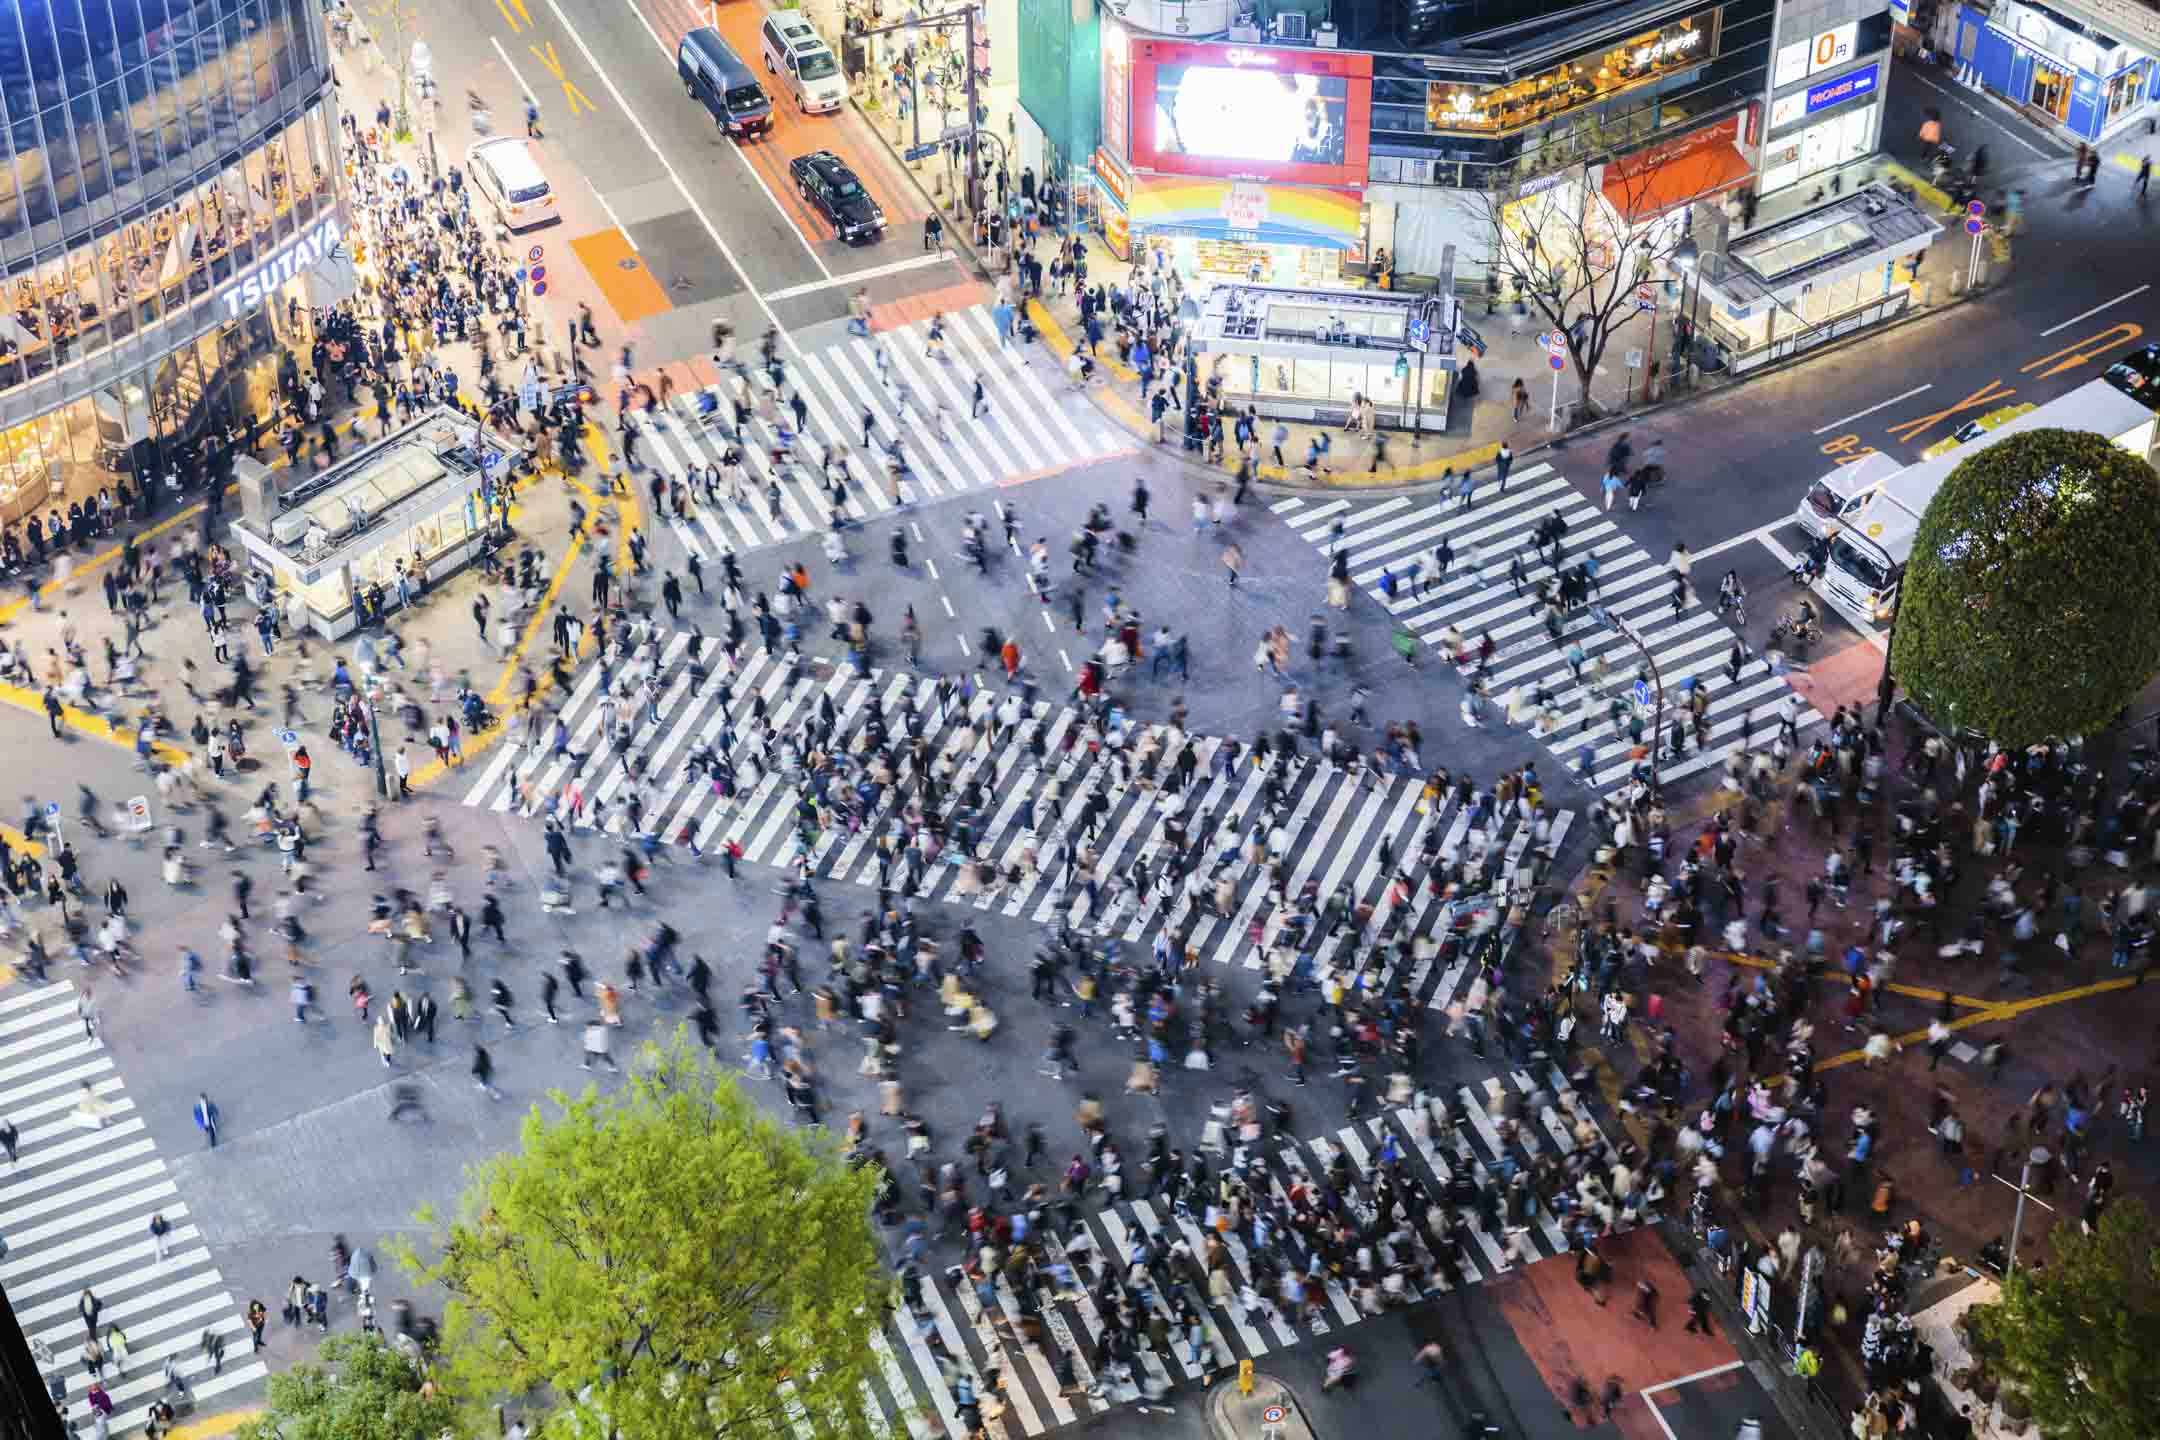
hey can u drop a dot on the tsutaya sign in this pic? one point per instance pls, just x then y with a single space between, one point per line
313 247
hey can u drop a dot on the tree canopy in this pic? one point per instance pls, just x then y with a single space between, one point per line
2031 603
357 1388
2078 1338
666 1262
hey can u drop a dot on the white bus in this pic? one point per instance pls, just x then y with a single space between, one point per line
1873 539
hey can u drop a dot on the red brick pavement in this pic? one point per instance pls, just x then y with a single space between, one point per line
1566 1334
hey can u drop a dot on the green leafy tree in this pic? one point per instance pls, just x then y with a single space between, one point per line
357 1389
2077 1339
666 1262
2031 604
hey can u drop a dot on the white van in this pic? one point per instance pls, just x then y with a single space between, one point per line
506 175
806 65
1831 501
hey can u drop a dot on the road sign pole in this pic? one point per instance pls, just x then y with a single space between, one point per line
1556 399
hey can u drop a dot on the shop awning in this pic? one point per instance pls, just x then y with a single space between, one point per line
1246 212
1665 176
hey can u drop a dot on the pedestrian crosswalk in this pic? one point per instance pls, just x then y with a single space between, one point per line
75 1209
1477 595
1031 425
1339 831
927 1349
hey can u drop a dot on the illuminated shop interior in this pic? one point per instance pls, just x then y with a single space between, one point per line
1296 354
1591 79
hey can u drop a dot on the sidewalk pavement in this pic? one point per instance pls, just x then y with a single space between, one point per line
2068 1014
1234 1415
437 630
1471 440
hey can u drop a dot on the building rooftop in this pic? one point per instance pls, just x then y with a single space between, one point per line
345 502
1263 318
1821 243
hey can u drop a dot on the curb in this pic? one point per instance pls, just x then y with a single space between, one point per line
1127 417
1276 480
1227 1407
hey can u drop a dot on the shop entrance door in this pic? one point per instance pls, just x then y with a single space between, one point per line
2051 90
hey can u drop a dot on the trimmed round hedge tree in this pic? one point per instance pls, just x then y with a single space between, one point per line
2031 604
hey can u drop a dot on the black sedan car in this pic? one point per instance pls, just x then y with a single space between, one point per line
827 183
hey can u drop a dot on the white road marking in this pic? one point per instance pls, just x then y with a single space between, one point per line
1735 541
668 165
2105 305
1882 405
811 287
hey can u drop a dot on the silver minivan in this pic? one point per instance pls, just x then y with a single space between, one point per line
804 62
1830 501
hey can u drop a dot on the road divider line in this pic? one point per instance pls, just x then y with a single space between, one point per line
1884 404
712 230
526 90
2103 305
742 157
627 238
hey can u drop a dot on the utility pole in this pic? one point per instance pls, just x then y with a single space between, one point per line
1657 684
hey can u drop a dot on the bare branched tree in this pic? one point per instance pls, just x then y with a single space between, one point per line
1567 250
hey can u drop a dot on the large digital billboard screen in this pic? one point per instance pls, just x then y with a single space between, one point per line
1238 111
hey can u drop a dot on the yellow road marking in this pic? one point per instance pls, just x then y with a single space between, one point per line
94 726
2010 1010
213 1427
498 698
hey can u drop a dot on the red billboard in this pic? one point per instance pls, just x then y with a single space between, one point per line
1302 116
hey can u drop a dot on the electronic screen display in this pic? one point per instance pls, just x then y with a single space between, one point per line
1253 116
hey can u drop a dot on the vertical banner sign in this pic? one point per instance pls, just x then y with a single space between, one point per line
1116 98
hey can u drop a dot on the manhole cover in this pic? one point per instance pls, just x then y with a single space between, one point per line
628 262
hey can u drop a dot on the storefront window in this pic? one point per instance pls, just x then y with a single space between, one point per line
2127 89
77 302
1649 56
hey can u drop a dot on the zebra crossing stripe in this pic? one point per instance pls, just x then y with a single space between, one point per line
77 1210
1478 597
1334 818
1026 429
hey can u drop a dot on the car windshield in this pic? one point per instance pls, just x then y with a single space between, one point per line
745 97
844 185
1822 499
817 65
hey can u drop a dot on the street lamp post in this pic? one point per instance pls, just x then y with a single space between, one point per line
2039 1155
1688 256
966 200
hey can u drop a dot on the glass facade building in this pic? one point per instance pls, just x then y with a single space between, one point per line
163 159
